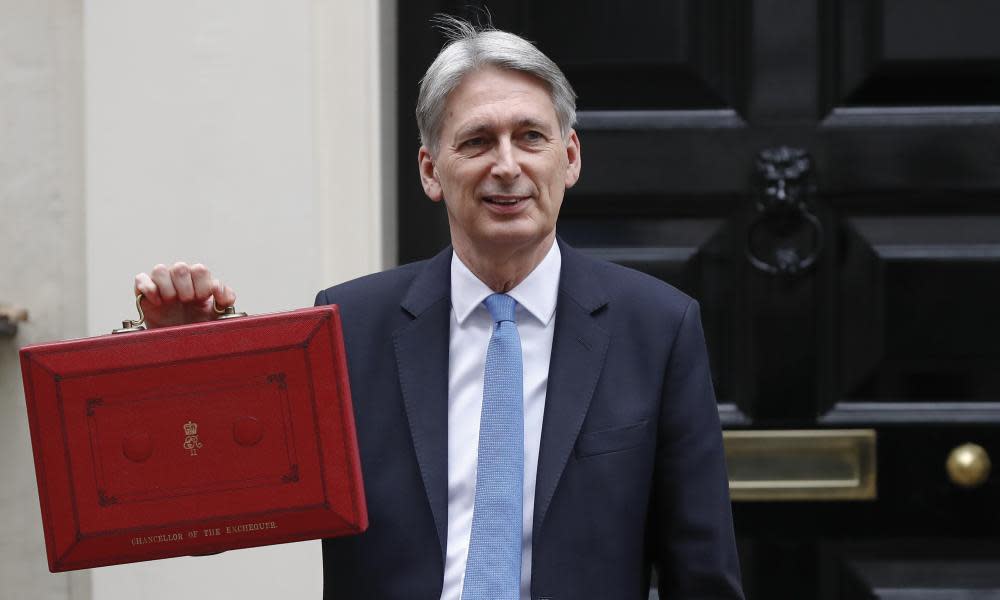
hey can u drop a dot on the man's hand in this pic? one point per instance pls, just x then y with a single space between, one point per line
181 294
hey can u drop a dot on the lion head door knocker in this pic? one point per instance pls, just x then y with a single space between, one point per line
784 236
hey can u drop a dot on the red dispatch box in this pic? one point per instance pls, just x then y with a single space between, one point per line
194 439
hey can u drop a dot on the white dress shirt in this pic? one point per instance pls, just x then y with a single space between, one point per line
471 328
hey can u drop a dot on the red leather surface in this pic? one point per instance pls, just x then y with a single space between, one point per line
194 439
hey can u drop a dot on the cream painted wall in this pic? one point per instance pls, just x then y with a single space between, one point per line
41 245
248 135
200 148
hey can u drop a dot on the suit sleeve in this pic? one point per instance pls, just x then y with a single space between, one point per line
694 549
321 299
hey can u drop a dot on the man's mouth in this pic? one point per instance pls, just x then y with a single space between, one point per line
504 200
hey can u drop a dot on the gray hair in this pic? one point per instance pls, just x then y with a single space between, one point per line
470 49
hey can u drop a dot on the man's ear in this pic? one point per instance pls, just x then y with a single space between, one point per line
573 158
428 175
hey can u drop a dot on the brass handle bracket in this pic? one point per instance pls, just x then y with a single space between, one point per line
133 325
130 325
228 312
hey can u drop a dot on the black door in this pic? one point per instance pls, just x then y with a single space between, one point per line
824 177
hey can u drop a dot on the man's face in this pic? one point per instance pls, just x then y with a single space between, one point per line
502 164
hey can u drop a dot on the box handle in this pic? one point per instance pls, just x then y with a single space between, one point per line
132 325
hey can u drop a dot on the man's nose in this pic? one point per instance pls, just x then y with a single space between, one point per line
505 165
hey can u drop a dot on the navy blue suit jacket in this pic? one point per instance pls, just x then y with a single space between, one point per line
631 468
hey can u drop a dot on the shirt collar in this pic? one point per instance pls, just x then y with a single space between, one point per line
537 294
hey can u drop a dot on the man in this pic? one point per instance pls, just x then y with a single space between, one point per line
532 423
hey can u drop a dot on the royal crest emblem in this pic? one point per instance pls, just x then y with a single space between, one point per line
191 442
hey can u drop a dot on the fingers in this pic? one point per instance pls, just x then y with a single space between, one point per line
223 294
177 283
144 285
180 276
201 281
182 294
160 276
191 282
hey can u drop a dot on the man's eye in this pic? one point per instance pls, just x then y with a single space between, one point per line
533 136
474 142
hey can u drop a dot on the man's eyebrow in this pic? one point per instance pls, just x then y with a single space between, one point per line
471 129
476 128
530 123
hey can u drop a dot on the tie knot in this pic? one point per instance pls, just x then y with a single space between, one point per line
501 307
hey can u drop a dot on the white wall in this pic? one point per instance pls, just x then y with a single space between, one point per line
41 254
200 148
245 134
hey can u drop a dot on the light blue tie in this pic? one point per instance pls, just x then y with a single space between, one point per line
493 571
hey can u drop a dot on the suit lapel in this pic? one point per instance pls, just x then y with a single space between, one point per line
422 360
579 347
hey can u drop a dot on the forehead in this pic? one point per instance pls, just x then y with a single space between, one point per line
498 96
